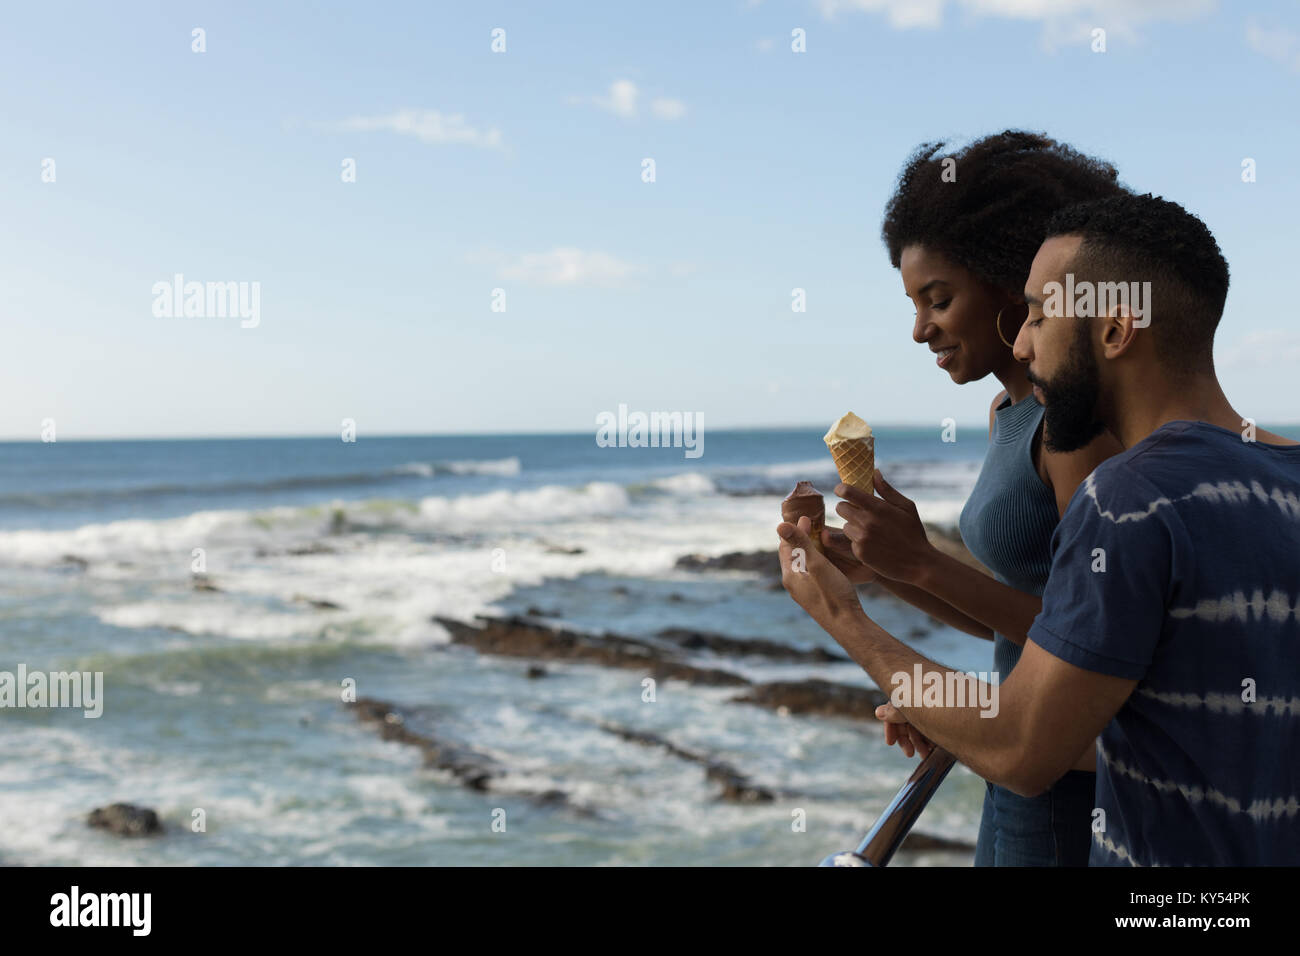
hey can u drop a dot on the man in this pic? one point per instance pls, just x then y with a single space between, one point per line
1171 620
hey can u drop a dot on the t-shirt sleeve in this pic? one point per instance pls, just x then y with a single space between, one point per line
1105 603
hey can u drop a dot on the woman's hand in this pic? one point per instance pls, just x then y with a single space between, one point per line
885 532
899 731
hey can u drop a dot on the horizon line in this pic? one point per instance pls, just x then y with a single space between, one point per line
11 440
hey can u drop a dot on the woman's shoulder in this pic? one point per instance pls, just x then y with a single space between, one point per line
993 409
1065 471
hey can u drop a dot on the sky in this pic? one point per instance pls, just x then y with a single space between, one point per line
129 157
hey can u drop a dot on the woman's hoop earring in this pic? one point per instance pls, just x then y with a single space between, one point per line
997 323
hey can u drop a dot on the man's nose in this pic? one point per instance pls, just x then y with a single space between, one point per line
1023 347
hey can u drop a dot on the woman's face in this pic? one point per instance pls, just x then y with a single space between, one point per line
955 315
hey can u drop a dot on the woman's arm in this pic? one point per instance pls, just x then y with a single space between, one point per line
839 550
887 535
936 607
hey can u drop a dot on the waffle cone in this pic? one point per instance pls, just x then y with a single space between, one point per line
855 460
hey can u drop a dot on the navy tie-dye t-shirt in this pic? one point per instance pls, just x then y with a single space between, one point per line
1178 564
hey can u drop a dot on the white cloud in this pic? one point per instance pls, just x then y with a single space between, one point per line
1270 347
668 109
901 14
564 265
622 100
1276 43
428 126
1064 21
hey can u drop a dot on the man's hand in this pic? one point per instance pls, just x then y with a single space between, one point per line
899 731
813 581
839 550
886 532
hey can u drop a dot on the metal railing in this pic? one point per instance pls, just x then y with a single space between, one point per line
891 828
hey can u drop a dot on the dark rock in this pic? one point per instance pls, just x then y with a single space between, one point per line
470 768
316 547
201 583
518 637
125 819
76 561
736 787
746 647
558 549
474 770
317 603
535 611
764 562
534 672
815 696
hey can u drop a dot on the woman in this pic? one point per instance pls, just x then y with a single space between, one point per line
962 229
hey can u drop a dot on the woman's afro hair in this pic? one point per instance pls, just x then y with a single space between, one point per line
990 212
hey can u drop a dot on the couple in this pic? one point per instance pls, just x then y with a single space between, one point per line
1145 537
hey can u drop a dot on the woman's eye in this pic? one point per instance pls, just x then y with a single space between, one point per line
940 306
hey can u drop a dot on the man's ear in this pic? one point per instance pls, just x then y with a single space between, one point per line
1119 330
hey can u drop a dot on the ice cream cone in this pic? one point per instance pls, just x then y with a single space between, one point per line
855 460
806 500
854 449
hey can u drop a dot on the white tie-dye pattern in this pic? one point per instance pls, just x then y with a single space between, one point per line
1223 492
1261 811
1227 703
1117 849
1278 607
1090 490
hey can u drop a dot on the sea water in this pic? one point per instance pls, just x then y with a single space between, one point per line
222 707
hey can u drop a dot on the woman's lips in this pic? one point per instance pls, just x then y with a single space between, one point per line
945 356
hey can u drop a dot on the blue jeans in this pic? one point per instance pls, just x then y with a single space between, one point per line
1051 829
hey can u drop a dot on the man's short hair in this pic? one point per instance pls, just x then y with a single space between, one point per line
1131 238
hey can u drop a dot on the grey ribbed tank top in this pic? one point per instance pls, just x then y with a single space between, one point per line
1008 520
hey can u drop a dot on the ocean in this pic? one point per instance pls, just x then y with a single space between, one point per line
325 563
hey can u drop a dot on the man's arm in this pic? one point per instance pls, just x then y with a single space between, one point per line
1044 715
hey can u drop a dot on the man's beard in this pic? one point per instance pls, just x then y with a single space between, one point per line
1070 418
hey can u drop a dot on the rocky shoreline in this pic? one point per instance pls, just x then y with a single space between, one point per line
524 638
